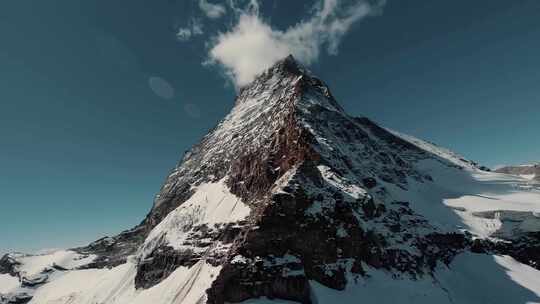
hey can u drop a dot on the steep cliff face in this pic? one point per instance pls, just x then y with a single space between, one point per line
311 181
290 198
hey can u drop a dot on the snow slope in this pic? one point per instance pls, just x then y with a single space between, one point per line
471 199
210 204
470 279
115 286
34 264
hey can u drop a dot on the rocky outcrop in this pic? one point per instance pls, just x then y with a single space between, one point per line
113 251
518 236
15 298
311 229
199 245
35 280
8 265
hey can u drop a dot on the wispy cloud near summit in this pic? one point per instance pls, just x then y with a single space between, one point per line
252 44
211 10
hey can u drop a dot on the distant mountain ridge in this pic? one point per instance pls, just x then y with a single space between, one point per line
531 170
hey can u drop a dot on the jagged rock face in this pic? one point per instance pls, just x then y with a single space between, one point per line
245 132
312 177
251 146
261 111
113 251
272 123
199 244
8 265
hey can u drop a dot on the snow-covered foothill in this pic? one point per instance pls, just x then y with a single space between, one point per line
115 286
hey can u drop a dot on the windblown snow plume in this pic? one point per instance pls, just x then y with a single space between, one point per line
252 44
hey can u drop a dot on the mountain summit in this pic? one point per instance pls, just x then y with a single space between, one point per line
289 198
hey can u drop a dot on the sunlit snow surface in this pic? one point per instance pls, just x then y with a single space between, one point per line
115 285
8 283
478 201
33 264
184 285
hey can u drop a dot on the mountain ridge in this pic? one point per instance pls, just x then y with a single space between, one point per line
530 171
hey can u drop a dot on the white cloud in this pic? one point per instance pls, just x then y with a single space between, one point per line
194 28
212 10
252 45
248 49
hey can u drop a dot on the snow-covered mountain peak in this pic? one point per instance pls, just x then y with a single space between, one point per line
286 73
291 199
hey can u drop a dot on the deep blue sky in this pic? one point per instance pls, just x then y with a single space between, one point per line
85 144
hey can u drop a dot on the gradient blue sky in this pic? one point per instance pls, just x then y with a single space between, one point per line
85 143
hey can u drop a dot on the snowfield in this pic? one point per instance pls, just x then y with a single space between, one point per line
481 202
471 279
8 283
